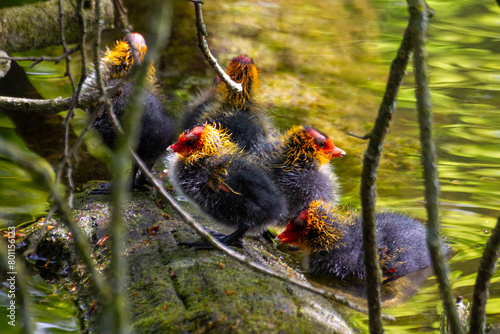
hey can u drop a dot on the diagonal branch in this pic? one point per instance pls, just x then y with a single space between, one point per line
188 219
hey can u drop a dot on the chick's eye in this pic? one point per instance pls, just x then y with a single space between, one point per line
190 142
322 144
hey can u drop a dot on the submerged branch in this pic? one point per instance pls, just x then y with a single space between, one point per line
487 268
203 45
418 28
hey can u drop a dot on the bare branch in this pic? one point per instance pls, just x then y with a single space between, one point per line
69 167
418 28
126 27
38 60
48 107
369 176
65 45
59 104
203 45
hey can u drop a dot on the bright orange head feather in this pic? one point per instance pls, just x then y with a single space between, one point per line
311 230
201 141
308 144
242 70
119 59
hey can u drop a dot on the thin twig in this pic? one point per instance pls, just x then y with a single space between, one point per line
130 121
69 167
67 58
365 137
126 27
97 47
38 60
418 27
487 268
83 72
203 45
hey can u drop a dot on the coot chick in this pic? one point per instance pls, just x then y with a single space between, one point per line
333 242
245 120
157 127
224 182
300 167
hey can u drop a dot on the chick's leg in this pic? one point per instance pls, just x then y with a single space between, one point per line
233 239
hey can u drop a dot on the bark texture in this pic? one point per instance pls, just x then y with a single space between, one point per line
36 26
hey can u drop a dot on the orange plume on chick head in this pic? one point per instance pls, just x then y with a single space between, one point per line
201 141
242 70
310 230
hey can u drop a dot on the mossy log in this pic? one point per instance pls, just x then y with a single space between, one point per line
36 26
178 290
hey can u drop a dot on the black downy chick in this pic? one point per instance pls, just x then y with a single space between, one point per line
245 120
157 128
333 242
224 182
300 167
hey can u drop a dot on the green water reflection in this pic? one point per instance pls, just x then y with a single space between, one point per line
338 87
465 82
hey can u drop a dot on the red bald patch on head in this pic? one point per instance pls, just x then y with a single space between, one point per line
315 133
188 141
137 39
196 131
324 143
289 235
294 231
242 59
302 217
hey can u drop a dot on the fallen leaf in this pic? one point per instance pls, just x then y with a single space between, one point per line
153 230
102 240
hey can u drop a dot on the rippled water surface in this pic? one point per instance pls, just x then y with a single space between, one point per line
348 77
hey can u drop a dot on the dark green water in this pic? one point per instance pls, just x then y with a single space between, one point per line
463 47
